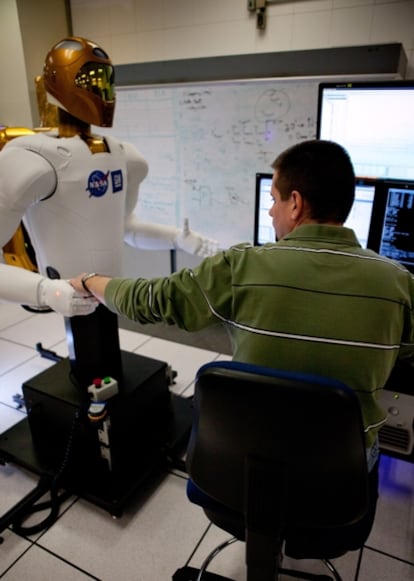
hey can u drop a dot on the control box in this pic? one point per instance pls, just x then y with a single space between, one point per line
103 389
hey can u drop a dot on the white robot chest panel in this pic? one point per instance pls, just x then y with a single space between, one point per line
81 225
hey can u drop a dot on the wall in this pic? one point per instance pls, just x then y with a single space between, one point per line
42 23
29 29
14 94
141 31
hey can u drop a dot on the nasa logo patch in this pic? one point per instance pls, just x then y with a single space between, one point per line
97 183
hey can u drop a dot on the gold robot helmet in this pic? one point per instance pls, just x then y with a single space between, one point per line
79 78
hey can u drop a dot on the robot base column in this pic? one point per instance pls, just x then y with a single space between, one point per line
93 343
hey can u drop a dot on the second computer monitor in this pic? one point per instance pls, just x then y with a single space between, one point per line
392 224
359 218
263 228
382 216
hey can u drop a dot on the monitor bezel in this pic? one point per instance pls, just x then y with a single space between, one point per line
378 213
259 177
395 84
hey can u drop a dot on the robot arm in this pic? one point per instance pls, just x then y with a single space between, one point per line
160 237
18 285
157 236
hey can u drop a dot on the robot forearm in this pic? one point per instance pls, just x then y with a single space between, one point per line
18 285
159 237
150 236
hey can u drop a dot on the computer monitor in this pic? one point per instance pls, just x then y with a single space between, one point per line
359 218
263 229
392 223
374 121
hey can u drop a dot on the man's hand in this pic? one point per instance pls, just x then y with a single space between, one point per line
194 243
60 296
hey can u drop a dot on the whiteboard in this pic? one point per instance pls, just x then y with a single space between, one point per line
204 144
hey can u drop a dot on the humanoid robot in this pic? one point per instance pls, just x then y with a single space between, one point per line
76 192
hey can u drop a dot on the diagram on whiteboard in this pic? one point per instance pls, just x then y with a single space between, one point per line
204 144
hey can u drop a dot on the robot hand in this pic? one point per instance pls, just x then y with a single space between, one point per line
60 296
194 243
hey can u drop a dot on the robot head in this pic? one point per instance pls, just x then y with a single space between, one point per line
79 78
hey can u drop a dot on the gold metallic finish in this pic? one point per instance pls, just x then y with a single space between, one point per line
8 133
79 75
48 113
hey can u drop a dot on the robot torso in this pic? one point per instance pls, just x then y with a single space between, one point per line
77 223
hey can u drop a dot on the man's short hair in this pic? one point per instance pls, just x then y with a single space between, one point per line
322 172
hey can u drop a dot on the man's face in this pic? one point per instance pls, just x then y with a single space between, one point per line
281 212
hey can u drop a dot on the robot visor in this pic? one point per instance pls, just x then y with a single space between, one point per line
97 78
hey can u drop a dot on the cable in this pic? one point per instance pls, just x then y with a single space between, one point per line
56 499
53 504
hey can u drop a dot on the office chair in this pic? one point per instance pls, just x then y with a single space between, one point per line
278 460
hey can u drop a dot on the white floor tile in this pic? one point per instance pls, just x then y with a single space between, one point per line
38 565
184 359
377 567
46 328
11 382
60 348
9 417
393 530
148 543
130 340
12 355
224 357
14 482
10 314
12 548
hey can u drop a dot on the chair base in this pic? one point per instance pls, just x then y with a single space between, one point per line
303 575
191 574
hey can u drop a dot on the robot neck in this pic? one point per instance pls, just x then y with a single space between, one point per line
70 126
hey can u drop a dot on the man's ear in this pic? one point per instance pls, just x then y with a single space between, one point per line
297 204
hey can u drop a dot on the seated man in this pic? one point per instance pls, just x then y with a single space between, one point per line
314 301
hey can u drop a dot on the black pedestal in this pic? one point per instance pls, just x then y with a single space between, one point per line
93 344
105 464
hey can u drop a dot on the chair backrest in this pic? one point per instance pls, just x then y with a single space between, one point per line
306 432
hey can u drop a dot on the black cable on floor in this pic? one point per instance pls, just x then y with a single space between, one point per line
56 499
53 505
